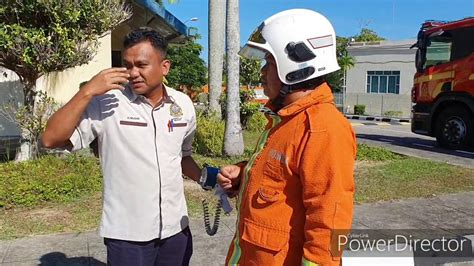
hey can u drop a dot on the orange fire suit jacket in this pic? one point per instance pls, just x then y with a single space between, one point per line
297 187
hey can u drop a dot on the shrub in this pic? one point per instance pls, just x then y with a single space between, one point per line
203 98
247 111
367 153
247 106
32 123
257 122
393 113
209 136
359 109
48 179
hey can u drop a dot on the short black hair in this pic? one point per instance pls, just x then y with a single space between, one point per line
144 34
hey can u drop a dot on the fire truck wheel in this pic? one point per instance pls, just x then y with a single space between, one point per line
454 128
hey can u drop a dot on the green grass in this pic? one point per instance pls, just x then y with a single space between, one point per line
79 215
250 140
408 178
194 197
368 153
48 179
54 194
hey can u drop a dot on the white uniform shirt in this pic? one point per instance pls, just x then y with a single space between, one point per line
140 151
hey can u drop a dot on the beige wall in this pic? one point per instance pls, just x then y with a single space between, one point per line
63 85
378 104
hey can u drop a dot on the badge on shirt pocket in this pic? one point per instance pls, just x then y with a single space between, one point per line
175 110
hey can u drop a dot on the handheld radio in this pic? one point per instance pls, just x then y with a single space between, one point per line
208 181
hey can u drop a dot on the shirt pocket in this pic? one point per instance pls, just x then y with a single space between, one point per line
272 183
264 236
171 136
129 131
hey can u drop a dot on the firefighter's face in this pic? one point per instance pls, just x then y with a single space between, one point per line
270 81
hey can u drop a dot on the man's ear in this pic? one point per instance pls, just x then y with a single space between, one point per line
165 66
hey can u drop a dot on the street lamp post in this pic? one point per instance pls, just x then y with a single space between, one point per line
191 19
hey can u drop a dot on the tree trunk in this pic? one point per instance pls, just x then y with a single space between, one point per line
233 140
29 144
216 53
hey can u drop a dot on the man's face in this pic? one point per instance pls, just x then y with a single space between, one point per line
270 81
146 67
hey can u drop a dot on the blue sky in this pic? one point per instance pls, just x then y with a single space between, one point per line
391 19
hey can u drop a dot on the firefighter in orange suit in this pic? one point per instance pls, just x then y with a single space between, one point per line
295 194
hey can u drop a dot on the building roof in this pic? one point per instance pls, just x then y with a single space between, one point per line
381 47
157 17
381 44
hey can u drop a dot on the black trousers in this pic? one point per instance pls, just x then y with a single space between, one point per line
175 250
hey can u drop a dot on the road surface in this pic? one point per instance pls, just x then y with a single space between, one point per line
400 139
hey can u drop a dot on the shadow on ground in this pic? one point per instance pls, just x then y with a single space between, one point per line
58 258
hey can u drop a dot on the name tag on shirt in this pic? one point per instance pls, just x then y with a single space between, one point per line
180 124
171 125
133 123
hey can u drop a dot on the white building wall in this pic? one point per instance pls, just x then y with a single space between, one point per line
386 56
357 76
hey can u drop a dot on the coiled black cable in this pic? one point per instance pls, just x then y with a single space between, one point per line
217 217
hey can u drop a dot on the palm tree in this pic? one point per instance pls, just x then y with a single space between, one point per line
345 62
233 140
216 53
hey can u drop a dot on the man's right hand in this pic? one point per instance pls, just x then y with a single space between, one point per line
61 124
229 178
105 80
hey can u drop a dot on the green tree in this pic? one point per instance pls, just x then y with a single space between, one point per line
187 68
38 37
367 35
336 79
250 71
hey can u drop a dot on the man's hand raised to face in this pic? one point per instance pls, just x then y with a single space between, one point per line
61 124
107 79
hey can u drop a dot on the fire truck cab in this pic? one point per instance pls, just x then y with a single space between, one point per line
443 91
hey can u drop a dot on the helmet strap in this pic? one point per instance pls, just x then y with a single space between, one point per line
286 89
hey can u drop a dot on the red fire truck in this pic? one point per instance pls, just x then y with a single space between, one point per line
443 91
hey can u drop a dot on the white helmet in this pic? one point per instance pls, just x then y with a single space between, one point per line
303 43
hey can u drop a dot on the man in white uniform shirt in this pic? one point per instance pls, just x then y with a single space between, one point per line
145 133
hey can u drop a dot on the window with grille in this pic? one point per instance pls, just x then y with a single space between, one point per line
383 82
